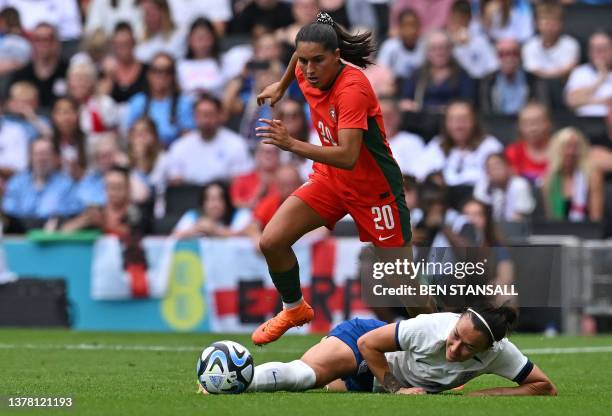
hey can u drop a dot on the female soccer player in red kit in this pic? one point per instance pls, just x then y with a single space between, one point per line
354 171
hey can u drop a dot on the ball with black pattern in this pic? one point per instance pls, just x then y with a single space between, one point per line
225 367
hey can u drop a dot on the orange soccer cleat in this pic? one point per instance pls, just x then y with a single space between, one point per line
274 328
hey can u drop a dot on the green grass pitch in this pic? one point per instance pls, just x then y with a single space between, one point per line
154 374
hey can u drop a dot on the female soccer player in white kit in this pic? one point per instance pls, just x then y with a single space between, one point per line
427 354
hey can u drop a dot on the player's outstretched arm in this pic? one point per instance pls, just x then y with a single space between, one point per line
536 384
274 92
344 155
373 346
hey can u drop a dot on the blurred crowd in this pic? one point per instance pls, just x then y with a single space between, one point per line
111 107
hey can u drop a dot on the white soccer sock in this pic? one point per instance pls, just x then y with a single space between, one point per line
276 376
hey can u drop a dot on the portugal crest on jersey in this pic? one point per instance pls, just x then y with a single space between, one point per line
332 113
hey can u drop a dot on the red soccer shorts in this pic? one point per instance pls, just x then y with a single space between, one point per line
385 225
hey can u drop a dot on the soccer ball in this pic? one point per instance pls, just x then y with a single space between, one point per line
225 367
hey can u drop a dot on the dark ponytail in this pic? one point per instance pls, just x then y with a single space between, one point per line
355 49
500 320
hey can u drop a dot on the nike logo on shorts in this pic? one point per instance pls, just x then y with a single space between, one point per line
381 238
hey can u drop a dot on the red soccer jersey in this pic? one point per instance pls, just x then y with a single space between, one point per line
351 104
523 165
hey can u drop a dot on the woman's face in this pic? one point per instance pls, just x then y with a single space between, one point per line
152 16
464 341
65 117
117 188
267 157
439 50
318 65
160 75
123 45
201 42
141 137
534 125
267 48
571 151
460 123
475 215
497 170
214 203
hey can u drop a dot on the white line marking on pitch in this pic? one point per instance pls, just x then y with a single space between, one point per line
164 348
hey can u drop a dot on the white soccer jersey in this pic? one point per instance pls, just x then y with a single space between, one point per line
422 359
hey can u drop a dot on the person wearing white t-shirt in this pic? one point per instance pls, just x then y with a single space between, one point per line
551 54
589 86
473 51
63 14
184 12
406 147
460 150
509 195
427 354
404 53
210 152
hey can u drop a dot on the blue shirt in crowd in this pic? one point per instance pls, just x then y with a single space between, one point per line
91 190
160 113
56 198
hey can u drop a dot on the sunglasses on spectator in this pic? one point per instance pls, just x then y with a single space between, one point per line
161 70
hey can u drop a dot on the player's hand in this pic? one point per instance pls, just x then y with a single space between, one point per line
410 390
272 92
275 133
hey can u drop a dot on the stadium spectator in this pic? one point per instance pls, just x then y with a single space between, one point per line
240 97
499 267
22 107
14 144
287 180
124 75
209 152
589 86
201 69
248 189
354 15
573 187
15 50
160 33
405 52
90 189
528 155
433 14
63 14
473 51
601 146
551 54
118 215
304 12
218 12
406 147
68 138
47 70
261 16
147 161
40 192
171 111
501 19
97 112
438 81
507 90
108 14
293 116
216 217
509 196
461 149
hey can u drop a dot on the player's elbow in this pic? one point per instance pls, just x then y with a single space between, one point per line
549 389
349 161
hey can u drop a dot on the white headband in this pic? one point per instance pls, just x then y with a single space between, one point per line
479 316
